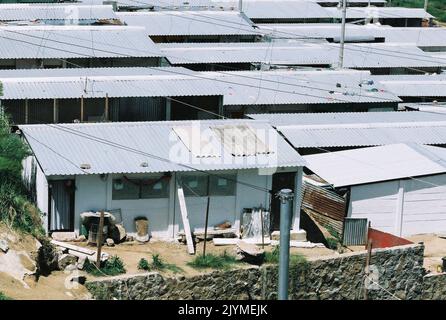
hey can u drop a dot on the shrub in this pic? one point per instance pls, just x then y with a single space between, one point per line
143 264
16 210
157 264
4 297
223 261
112 267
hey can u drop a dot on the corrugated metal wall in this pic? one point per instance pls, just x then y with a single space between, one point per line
325 206
355 231
138 109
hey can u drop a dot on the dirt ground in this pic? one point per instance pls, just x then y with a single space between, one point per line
176 253
47 288
435 249
58 287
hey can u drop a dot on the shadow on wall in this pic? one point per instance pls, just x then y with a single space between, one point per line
314 232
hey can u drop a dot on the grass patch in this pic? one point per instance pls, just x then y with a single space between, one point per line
273 257
212 261
4 297
112 267
157 264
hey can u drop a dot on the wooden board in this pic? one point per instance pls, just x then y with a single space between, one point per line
186 225
73 247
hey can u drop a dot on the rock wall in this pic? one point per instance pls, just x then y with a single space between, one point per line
397 273
434 287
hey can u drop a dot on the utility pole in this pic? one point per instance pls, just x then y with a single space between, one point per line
240 6
342 42
99 239
286 205
426 3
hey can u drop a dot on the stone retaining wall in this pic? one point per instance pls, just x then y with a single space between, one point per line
434 287
398 273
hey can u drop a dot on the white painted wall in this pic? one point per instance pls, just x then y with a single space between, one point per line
42 195
95 193
402 207
377 202
91 195
424 205
41 185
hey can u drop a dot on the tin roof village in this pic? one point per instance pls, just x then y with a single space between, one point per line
206 149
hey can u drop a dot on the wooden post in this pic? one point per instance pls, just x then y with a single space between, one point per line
99 239
82 108
26 111
55 111
106 107
186 225
206 221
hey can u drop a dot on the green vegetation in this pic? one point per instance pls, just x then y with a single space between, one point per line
273 257
223 261
112 267
4 297
16 209
334 242
143 264
157 264
435 7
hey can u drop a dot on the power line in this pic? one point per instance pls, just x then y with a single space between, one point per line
136 151
207 78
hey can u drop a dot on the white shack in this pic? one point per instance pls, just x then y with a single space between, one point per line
137 167
399 188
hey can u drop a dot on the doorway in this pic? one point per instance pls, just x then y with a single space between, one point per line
283 180
61 208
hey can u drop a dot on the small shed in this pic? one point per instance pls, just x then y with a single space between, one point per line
108 94
399 188
138 168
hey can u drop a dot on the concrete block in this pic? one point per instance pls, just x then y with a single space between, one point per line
295 235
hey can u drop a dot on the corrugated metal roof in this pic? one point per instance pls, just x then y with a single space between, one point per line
53 11
298 87
375 164
361 55
189 23
314 30
97 83
265 9
417 88
254 9
83 72
35 42
366 136
336 119
433 85
258 52
387 55
422 37
62 152
325 130
380 13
